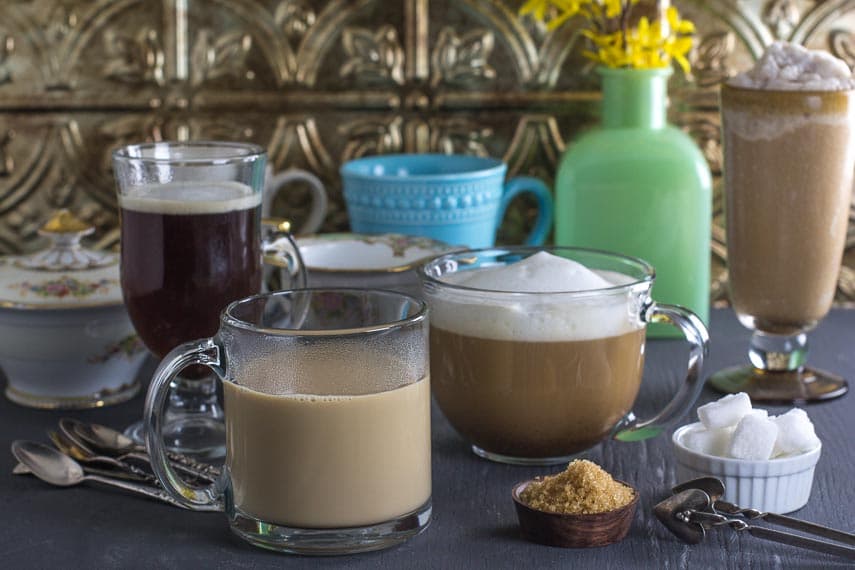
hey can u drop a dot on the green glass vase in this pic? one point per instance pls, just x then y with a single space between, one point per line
641 187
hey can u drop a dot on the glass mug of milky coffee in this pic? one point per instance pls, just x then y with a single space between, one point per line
537 353
788 133
327 411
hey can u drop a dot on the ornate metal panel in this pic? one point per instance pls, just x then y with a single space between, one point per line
319 82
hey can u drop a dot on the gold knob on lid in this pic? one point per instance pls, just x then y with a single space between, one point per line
64 222
65 252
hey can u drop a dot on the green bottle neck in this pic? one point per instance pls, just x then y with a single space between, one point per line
635 98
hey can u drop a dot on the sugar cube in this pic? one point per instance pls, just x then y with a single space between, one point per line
708 441
754 438
725 412
730 427
795 433
759 412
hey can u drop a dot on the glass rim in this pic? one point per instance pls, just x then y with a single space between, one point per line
228 318
644 266
243 152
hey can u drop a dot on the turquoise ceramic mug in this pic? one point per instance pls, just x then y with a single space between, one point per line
457 199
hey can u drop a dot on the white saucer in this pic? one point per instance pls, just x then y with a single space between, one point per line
386 253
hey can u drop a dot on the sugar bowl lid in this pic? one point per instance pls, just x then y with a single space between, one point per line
66 275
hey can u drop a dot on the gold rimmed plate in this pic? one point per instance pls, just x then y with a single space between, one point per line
369 253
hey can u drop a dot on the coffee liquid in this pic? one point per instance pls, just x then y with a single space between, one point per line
187 251
328 461
535 399
788 180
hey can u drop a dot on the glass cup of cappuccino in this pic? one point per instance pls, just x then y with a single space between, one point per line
537 353
327 412
193 241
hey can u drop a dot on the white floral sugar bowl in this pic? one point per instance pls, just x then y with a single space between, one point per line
66 341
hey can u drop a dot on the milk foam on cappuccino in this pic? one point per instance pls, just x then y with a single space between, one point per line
791 67
542 272
534 315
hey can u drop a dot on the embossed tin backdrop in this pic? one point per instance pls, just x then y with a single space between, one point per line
319 82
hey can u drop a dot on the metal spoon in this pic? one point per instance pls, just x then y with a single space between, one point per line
89 459
104 438
108 440
104 466
56 468
21 469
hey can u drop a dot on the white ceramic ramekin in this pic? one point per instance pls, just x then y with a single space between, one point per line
780 485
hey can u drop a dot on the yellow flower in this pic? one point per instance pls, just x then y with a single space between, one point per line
614 8
645 46
610 49
677 49
536 8
552 12
677 25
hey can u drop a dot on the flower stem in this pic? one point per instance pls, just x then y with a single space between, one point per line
624 23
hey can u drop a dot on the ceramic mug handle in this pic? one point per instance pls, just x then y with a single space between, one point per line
207 353
633 429
276 182
535 186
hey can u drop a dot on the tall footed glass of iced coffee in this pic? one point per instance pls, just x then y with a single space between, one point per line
788 129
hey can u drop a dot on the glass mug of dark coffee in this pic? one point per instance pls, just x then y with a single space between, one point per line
191 243
327 400
537 353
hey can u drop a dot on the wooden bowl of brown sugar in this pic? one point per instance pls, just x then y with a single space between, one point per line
578 508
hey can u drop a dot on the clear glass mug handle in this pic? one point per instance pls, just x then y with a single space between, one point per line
633 429
281 252
207 353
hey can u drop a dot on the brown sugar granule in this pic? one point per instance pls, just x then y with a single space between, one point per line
583 489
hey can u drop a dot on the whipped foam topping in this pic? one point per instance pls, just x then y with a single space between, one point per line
532 316
791 67
542 272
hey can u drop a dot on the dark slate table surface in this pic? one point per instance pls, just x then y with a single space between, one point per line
474 523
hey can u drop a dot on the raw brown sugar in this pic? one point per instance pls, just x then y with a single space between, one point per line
583 488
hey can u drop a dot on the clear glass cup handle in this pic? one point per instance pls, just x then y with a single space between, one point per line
207 353
633 429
